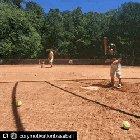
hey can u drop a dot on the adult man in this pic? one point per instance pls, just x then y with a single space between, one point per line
51 57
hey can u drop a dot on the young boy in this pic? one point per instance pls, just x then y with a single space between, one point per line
115 69
51 58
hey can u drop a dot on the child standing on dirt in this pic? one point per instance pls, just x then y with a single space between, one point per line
115 69
51 57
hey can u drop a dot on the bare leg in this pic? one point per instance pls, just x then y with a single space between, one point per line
51 64
120 81
112 81
120 84
119 78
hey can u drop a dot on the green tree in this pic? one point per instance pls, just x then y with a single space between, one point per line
18 39
124 29
54 29
28 32
36 15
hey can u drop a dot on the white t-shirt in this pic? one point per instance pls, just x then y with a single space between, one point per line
116 65
51 55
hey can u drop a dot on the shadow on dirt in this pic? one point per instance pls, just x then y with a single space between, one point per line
47 67
102 85
19 125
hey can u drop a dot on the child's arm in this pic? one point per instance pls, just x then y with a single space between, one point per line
116 62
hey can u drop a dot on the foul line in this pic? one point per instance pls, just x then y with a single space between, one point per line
89 79
66 80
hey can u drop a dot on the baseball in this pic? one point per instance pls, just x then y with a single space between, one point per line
18 103
126 125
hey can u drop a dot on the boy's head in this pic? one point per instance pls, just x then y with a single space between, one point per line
51 50
116 58
119 59
113 59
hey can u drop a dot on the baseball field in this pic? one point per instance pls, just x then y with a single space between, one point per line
70 97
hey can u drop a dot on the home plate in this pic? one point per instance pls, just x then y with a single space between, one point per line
91 88
63 85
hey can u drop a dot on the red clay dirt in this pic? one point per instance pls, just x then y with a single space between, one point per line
54 99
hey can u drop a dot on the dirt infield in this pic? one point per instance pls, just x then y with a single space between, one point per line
70 98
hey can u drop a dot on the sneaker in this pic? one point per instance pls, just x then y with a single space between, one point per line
119 86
